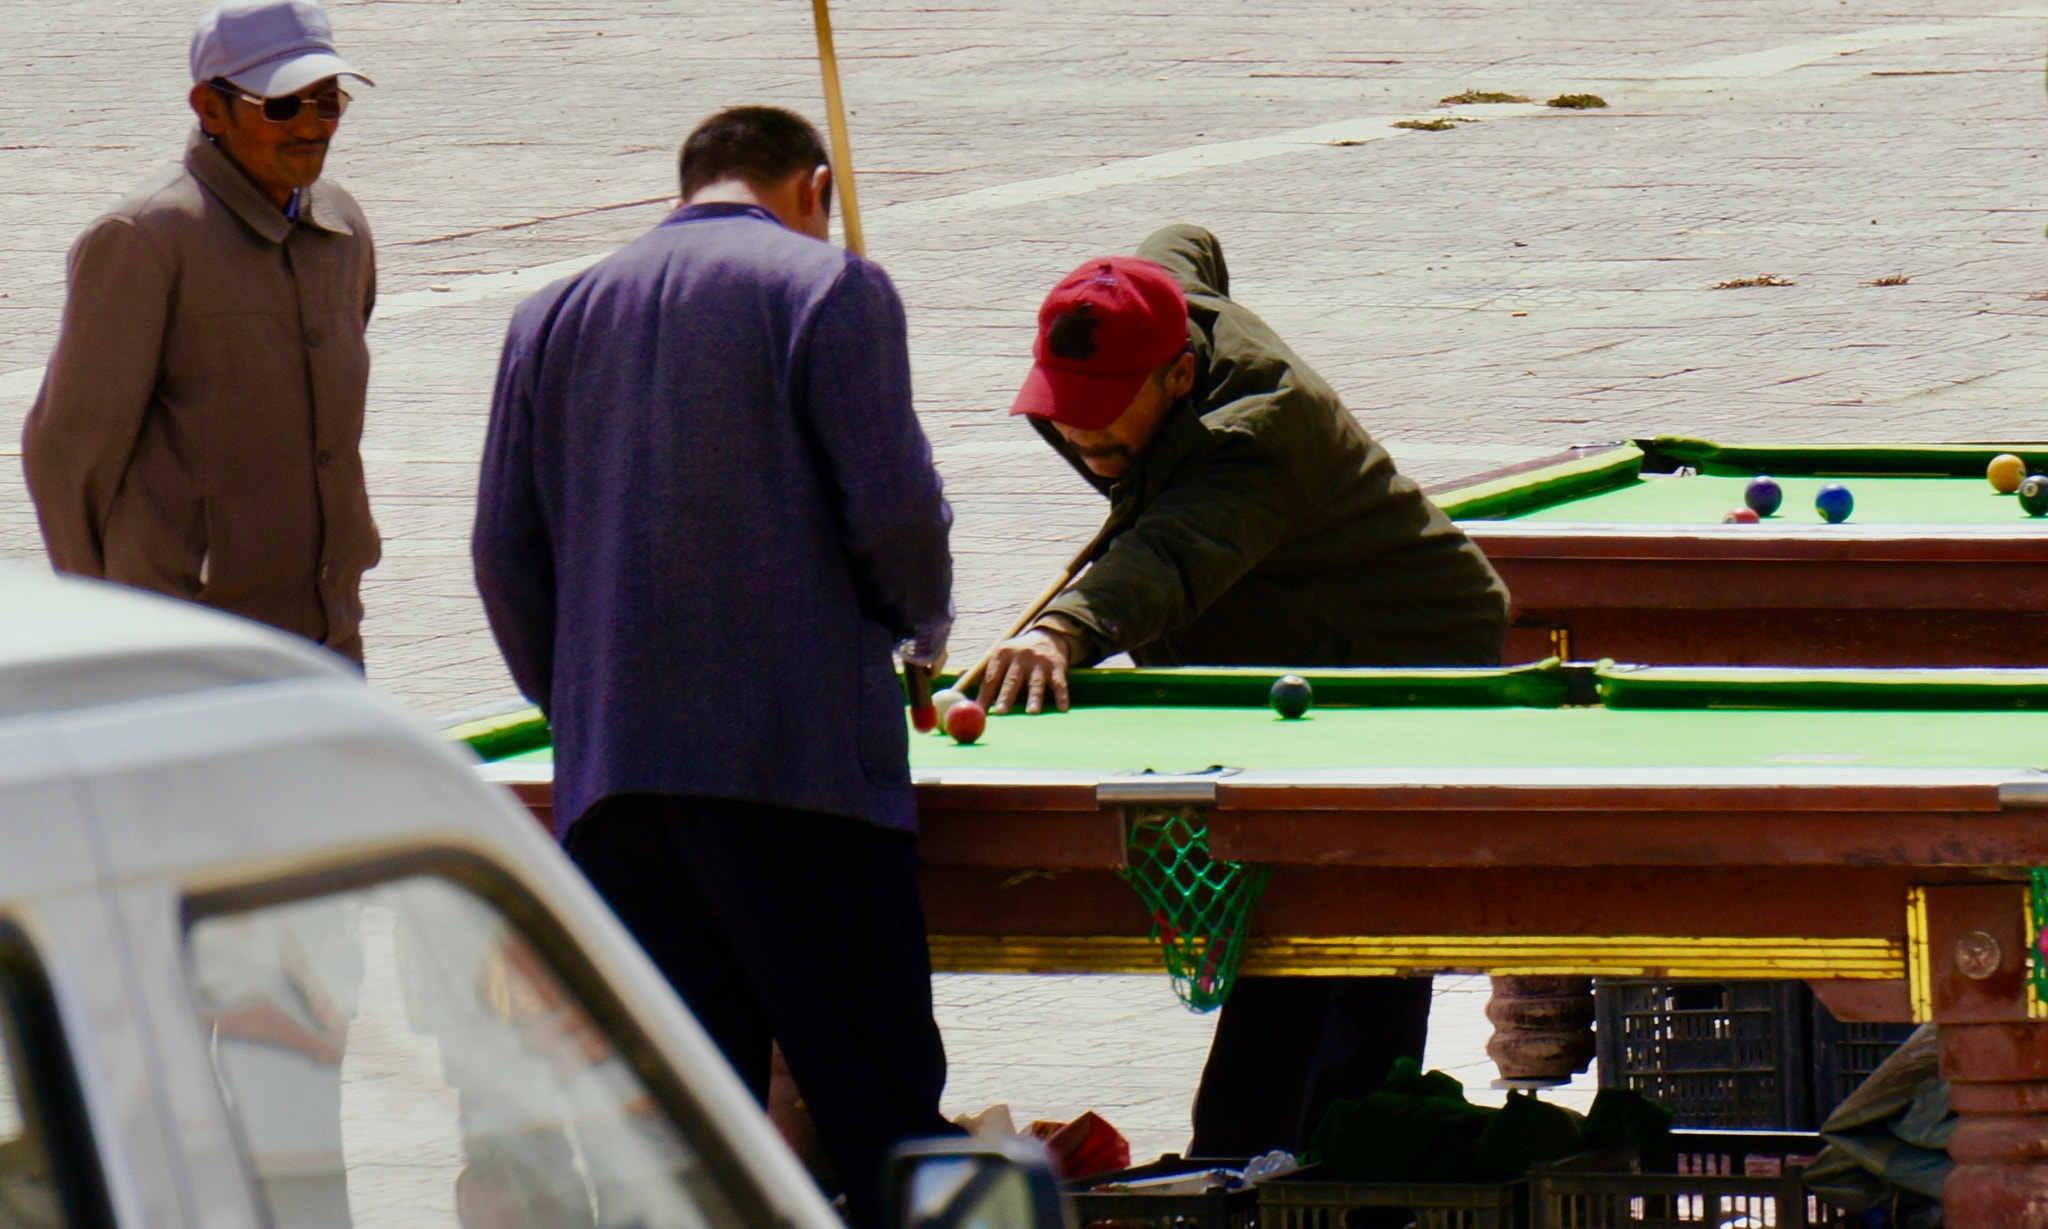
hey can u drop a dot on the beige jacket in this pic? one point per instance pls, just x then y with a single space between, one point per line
198 431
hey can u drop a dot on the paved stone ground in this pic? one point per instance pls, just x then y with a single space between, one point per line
1481 295
1049 1047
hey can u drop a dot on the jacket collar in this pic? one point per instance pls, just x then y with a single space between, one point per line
210 165
718 209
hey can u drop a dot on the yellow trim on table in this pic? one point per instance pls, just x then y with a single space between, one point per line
1539 955
1919 972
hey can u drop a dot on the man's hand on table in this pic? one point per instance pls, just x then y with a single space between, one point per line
1030 663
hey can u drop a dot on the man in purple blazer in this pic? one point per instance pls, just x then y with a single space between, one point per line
707 516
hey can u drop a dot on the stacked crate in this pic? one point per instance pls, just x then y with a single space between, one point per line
1737 1055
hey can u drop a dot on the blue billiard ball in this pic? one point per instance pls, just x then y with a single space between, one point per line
1834 503
1763 495
1291 696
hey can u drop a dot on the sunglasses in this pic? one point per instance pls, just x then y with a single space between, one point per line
327 104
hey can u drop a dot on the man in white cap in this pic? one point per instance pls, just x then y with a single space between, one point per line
198 431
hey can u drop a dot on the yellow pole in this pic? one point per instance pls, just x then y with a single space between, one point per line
835 115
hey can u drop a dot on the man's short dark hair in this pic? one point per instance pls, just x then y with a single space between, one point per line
760 145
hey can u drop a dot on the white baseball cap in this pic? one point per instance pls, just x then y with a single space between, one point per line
268 47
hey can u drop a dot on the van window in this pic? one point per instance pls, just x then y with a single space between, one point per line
401 1055
28 1196
49 1173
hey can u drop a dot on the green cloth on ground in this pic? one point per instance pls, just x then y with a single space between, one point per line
1522 1133
1420 1128
1407 1078
1622 1118
1888 1142
1416 1128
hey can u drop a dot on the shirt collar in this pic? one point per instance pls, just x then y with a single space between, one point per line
211 166
718 209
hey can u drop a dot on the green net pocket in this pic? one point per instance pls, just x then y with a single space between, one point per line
1199 905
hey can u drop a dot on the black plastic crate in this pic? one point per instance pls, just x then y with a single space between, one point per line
1726 1056
1737 1056
1844 1053
1301 1200
1150 1210
1722 1180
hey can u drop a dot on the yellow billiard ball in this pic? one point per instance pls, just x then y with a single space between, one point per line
2006 471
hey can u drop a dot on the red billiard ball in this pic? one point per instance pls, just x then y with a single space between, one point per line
965 721
1740 516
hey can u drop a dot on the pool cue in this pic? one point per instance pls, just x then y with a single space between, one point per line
917 680
1037 607
835 120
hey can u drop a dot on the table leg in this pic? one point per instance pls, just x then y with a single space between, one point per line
1542 1030
1998 1085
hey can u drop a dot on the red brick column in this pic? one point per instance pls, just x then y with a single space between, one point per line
1998 1083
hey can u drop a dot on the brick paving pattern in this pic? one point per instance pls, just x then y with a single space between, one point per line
1481 295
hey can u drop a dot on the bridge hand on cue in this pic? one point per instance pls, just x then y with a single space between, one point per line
1032 663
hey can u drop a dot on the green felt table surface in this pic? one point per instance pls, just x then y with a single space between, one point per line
1534 716
1704 499
1543 715
1626 483
1189 739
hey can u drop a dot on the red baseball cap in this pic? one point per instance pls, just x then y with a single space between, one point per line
1102 331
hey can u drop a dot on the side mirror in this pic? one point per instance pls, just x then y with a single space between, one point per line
958 1182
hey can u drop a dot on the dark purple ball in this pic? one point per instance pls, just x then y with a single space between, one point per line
1763 495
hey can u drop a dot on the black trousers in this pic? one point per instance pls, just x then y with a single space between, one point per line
783 926
1286 1047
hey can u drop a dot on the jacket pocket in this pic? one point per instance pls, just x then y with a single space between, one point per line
883 734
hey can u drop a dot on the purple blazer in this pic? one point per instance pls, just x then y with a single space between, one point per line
707 514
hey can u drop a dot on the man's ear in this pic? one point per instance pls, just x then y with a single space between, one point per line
1181 380
215 110
819 184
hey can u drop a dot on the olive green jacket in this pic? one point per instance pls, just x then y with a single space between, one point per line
1263 526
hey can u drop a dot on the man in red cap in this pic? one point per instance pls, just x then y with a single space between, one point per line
1252 521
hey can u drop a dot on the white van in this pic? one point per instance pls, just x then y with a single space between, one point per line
273 957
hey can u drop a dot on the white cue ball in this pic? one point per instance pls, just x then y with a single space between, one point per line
945 699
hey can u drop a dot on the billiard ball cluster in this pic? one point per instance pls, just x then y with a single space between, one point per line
2008 476
959 716
1759 500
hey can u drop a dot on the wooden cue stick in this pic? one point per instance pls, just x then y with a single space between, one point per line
835 118
917 679
1031 613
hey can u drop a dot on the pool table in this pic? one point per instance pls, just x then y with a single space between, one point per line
1869 831
1618 551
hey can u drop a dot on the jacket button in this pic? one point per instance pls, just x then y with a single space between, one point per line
324 457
